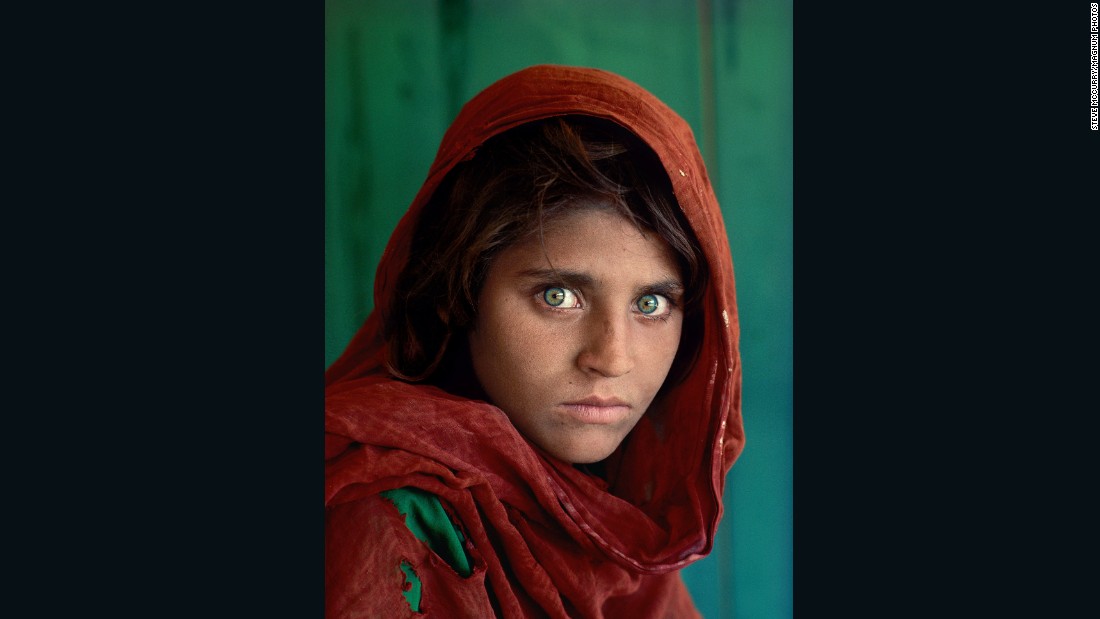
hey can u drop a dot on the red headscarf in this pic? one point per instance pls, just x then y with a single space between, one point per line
545 538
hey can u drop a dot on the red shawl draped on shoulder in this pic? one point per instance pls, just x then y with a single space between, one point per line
545 538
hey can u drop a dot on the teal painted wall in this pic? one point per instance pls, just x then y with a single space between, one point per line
396 73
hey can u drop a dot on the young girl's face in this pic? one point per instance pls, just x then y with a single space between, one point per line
576 334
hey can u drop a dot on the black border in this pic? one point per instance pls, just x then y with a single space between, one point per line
943 164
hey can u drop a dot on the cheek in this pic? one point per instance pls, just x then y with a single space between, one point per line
658 349
511 350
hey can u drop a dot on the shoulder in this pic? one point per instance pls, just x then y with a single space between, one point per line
430 523
381 558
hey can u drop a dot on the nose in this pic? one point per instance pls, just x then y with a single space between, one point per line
606 347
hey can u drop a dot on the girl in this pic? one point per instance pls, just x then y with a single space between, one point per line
538 417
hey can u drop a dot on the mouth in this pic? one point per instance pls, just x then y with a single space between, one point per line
596 410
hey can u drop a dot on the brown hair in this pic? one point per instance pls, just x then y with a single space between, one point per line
517 182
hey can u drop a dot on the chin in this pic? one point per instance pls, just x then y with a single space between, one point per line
588 460
584 455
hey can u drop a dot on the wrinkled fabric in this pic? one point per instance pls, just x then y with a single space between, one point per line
545 538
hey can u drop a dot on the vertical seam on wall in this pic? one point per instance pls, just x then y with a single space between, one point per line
709 139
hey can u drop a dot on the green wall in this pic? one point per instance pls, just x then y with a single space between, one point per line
396 73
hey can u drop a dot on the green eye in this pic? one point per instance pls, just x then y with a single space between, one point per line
554 296
560 298
649 303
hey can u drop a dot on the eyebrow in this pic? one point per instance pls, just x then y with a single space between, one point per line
670 286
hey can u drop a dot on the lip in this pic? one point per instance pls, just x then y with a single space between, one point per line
596 410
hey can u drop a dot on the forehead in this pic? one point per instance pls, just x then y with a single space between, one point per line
594 240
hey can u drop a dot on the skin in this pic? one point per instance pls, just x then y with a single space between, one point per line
571 355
